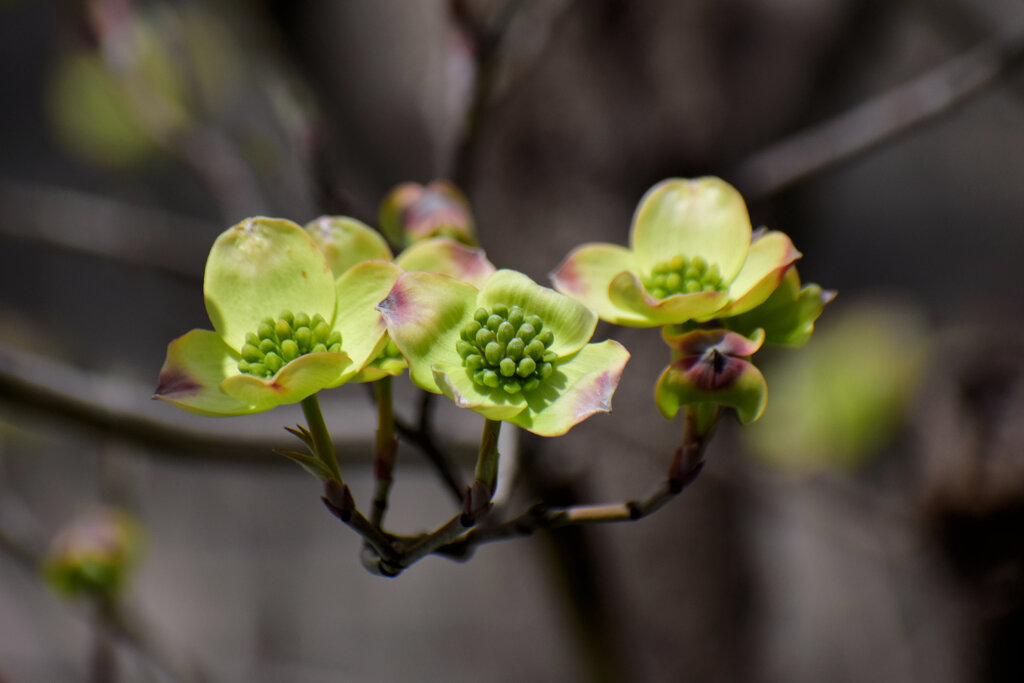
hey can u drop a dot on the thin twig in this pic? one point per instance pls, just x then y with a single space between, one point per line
687 464
54 390
422 437
487 42
76 221
880 119
385 450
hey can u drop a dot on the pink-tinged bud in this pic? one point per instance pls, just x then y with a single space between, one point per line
413 213
94 555
712 366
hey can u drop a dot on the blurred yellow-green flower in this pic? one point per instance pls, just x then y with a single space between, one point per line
94 555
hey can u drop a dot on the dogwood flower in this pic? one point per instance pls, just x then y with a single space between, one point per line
283 327
512 350
692 256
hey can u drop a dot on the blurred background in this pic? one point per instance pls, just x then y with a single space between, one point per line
869 528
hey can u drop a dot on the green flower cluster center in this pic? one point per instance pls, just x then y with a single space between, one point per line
280 341
505 348
682 275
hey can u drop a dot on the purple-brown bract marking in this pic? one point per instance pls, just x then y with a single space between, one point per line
394 306
711 371
178 383
597 396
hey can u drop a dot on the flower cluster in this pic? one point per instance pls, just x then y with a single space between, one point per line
696 267
296 310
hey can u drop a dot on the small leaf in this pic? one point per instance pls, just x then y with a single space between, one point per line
308 462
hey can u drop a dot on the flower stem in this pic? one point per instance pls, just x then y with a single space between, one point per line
477 503
686 465
487 460
322 443
385 450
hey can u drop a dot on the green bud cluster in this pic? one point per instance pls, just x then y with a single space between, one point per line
280 341
505 348
682 275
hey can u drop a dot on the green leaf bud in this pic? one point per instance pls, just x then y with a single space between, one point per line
290 350
251 353
304 338
494 321
283 329
268 345
243 366
505 332
507 367
474 362
287 317
301 320
335 338
494 352
547 338
481 316
266 330
491 379
319 348
335 347
464 348
483 337
526 367
512 386
252 339
258 369
470 329
526 332
535 322
692 286
535 350
320 333
531 384
500 309
516 316
545 369
273 362
515 347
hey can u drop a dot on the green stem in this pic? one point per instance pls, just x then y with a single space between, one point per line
322 443
487 460
477 504
385 451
